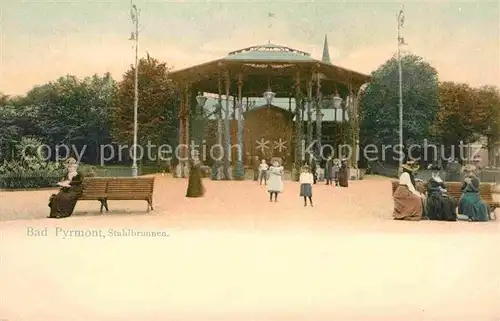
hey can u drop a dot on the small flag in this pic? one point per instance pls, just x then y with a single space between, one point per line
271 15
132 36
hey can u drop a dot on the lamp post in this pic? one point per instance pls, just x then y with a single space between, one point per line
134 13
401 41
489 147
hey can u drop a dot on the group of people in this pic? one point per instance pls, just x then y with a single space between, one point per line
272 176
414 201
334 171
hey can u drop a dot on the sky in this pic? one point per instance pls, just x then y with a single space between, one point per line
43 40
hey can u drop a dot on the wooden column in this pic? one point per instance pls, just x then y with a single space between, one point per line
234 108
227 132
195 123
298 129
187 104
219 151
219 114
354 123
318 112
343 135
182 132
309 114
240 171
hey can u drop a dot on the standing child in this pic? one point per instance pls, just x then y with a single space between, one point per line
306 180
335 170
275 185
263 172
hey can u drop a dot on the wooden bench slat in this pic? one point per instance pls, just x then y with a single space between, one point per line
118 188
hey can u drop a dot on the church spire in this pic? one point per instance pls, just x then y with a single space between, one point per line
326 52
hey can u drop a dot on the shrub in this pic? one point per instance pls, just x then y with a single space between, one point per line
28 169
28 178
87 170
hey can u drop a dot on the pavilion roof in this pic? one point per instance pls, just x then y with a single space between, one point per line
265 60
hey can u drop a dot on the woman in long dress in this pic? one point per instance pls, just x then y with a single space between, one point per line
471 207
195 184
440 205
343 174
407 200
275 182
63 203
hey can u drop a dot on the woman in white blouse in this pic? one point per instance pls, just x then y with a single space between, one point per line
408 203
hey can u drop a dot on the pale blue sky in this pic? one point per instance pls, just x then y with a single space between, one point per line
42 40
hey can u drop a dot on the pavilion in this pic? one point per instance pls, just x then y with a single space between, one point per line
314 89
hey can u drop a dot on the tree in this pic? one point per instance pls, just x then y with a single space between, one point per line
488 110
72 111
16 121
457 116
379 111
157 108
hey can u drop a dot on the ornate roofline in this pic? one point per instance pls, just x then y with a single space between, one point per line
270 47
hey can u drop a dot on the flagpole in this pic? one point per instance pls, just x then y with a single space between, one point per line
400 69
135 13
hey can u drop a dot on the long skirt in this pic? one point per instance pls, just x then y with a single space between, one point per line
306 190
63 203
343 177
407 206
470 204
195 184
441 207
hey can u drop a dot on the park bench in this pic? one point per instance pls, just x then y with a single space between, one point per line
455 190
104 189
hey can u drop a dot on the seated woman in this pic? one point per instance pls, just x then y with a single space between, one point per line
440 205
470 206
63 203
407 200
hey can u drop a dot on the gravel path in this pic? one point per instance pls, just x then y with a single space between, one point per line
233 255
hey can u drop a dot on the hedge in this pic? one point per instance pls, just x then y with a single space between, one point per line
31 179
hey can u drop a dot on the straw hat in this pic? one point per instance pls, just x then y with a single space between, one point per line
469 168
276 160
411 166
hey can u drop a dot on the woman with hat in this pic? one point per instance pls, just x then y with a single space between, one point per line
195 180
63 203
343 175
408 203
306 181
275 182
470 206
439 206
